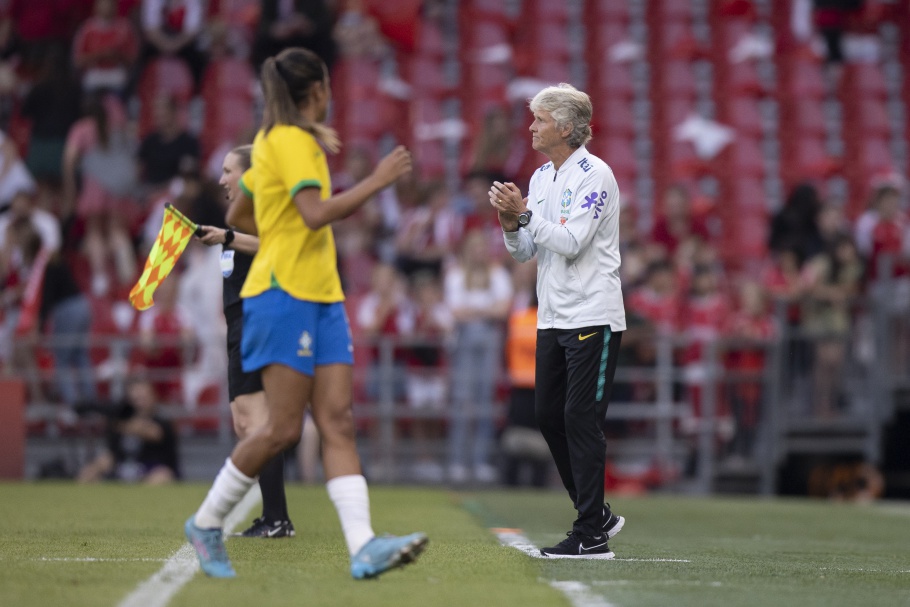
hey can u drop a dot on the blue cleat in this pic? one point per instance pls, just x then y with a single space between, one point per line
386 552
209 545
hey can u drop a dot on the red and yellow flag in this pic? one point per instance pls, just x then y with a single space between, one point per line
176 231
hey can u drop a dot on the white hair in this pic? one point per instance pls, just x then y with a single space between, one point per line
568 106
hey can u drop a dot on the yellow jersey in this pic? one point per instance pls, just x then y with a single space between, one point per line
300 261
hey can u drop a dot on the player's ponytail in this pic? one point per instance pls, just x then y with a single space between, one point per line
287 80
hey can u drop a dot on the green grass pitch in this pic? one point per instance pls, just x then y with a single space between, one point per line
62 544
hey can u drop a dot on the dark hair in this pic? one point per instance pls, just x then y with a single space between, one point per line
244 154
95 109
287 80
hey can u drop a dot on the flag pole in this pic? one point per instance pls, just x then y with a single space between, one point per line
184 219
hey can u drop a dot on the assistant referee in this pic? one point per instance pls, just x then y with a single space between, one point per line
248 406
570 220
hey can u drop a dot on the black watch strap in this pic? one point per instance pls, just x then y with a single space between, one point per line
228 237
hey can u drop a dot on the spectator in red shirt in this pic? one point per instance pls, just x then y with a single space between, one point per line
41 26
172 28
657 301
751 326
677 223
427 233
889 236
166 339
105 48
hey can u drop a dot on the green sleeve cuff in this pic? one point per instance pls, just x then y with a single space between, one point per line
306 183
245 189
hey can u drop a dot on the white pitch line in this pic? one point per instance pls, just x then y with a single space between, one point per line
654 560
578 593
180 568
93 559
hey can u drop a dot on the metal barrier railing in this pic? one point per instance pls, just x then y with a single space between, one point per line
686 422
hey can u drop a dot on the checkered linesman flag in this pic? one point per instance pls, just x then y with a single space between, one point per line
176 231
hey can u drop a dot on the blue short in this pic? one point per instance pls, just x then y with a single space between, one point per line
302 335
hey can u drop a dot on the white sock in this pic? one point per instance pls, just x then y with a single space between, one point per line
229 488
352 502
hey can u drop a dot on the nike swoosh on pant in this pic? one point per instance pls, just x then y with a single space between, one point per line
584 337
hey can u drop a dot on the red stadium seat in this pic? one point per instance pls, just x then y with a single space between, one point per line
863 79
427 77
743 158
614 118
612 80
609 11
230 76
866 117
743 115
601 37
803 118
676 82
802 79
430 42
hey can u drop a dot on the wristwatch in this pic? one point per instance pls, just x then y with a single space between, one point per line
228 238
524 219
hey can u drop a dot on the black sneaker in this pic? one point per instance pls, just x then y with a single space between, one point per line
263 529
578 546
613 523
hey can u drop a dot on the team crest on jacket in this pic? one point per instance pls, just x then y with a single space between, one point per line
564 206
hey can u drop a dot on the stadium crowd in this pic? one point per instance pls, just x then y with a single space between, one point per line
88 157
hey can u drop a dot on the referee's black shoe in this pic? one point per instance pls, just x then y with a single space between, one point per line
613 523
268 529
578 546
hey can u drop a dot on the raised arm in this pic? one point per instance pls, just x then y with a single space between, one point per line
317 213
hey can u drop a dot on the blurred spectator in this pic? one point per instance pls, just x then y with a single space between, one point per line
100 152
141 444
427 233
23 207
492 149
526 456
170 148
795 225
889 239
357 32
479 214
751 328
52 105
172 28
677 223
833 279
429 325
383 314
42 26
14 177
105 48
68 315
866 223
287 23
479 292
166 340
657 300
707 315
831 18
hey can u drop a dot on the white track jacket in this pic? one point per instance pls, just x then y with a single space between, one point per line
574 231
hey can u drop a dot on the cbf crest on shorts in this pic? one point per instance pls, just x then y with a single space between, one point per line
564 206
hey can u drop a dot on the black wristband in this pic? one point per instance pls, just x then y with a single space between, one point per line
228 237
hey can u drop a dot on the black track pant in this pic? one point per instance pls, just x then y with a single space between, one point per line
574 376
